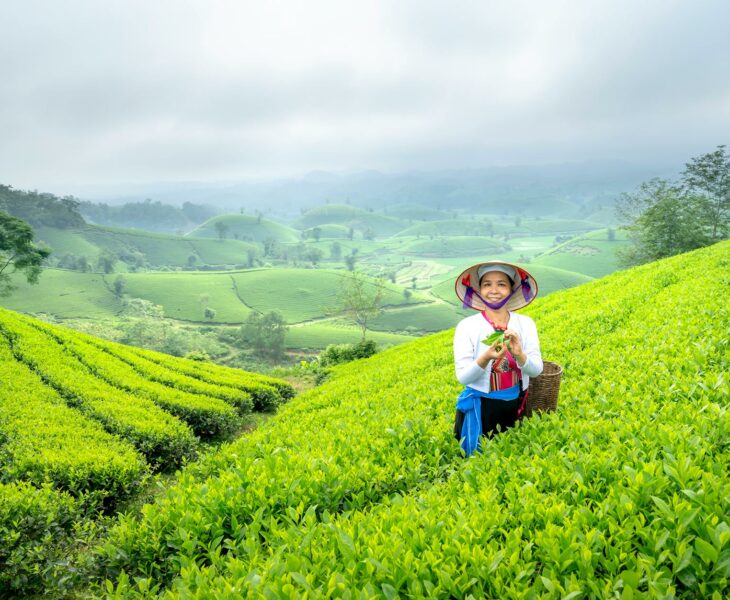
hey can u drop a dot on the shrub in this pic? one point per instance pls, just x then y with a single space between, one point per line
336 354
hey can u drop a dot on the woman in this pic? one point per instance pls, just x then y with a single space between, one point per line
496 376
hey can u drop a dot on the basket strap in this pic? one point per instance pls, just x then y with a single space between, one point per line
523 404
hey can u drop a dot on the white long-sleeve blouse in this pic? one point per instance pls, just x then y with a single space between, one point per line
467 347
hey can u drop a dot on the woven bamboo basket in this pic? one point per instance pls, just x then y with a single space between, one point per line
544 389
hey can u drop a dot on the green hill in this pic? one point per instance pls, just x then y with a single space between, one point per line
328 231
624 491
299 294
453 227
453 246
133 246
543 226
416 212
592 254
245 228
500 225
341 214
349 216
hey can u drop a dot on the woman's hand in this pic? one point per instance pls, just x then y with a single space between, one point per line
492 353
515 346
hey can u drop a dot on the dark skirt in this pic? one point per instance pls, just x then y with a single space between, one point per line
497 415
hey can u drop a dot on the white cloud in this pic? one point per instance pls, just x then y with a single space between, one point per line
149 91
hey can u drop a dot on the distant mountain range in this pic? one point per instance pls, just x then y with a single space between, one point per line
556 190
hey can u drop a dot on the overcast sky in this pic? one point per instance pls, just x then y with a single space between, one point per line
119 92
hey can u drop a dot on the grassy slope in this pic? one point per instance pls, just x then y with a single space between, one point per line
625 488
350 216
316 336
184 296
500 226
247 227
65 294
453 246
456 227
416 212
331 231
591 254
300 294
159 249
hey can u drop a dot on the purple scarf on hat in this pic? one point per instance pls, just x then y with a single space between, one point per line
471 292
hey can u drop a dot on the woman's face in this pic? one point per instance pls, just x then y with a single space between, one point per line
495 286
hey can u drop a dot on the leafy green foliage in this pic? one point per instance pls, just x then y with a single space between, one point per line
359 300
207 416
621 492
336 354
661 223
264 333
708 176
36 526
45 441
266 392
41 209
160 437
18 252
664 219
74 417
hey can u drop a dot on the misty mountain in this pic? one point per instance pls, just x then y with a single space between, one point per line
567 190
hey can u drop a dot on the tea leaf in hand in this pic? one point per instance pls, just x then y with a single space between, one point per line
497 336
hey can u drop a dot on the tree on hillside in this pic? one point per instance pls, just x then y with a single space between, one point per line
41 209
707 177
270 246
664 218
350 262
264 333
251 254
659 222
313 255
120 283
336 250
222 229
359 299
18 252
82 264
106 262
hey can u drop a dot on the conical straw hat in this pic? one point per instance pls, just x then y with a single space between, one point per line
467 287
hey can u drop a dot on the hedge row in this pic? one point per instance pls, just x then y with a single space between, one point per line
159 436
45 441
267 392
168 375
207 416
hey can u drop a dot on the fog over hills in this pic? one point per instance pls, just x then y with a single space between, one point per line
529 189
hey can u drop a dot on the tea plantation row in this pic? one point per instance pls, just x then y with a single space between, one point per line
92 419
